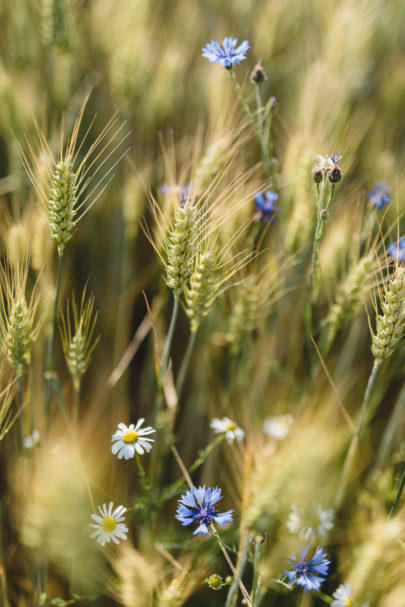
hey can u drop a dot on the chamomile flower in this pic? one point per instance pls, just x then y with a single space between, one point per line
128 439
229 428
343 596
278 427
308 573
32 440
311 525
198 506
109 525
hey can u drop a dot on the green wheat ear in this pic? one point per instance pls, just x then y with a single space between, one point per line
69 183
77 331
390 324
18 328
180 247
205 283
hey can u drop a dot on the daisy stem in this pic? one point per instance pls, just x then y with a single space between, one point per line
261 135
169 338
142 474
356 436
231 565
185 363
51 343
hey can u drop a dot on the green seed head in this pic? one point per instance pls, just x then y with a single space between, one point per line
180 248
390 324
203 290
62 203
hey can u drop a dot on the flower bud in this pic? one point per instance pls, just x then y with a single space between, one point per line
258 74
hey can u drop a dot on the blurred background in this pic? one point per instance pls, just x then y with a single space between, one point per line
337 70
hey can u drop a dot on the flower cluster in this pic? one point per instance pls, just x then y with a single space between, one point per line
226 54
198 506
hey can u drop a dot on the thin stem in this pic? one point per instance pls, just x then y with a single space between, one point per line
228 559
391 430
243 101
398 494
20 399
51 343
185 363
256 565
320 225
359 429
239 571
262 136
142 475
76 403
169 338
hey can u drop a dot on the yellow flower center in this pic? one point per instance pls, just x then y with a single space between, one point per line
108 524
349 602
130 437
230 426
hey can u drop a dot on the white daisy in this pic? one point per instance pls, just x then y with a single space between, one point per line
278 427
343 597
32 440
129 439
109 525
311 525
228 427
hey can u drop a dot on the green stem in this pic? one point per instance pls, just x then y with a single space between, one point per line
320 226
239 571
228 559
169 338
393 425
50 352
398 495
243 101
256 565
20 399
355 439
176 487
185 363
262 136
142 475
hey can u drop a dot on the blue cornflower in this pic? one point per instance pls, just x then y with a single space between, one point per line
396 250
265 205
226 54
198 506
308 573
379 195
